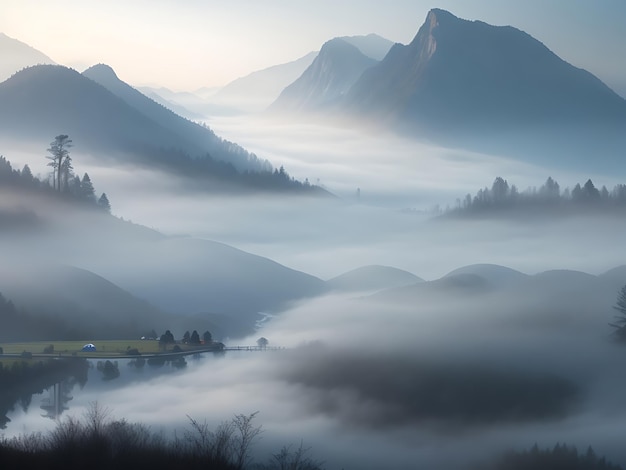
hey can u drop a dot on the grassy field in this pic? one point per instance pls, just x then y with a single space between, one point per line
105 348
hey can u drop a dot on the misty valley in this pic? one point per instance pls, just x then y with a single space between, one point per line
375 256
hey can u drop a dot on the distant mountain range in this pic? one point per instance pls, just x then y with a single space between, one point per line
104 114
473 85
258 90
17 55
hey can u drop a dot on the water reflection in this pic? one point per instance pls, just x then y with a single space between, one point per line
60 395
53 383
21 379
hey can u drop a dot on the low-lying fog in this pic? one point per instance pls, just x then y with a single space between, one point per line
400 182
423 377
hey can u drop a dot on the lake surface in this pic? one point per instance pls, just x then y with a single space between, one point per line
334 424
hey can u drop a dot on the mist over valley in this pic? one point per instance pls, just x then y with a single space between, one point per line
419 255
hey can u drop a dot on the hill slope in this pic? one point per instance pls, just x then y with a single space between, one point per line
189 133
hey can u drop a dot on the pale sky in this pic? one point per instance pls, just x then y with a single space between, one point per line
189 44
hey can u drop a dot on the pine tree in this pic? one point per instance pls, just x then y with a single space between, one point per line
195 338
86 189
206 337
103 202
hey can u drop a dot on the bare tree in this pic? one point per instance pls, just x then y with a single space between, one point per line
245 433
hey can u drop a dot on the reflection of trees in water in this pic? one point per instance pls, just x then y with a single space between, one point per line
22 379
110 370
59 395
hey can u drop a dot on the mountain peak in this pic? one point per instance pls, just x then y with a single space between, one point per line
437 14
102 71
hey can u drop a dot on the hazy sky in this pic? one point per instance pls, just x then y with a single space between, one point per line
197 43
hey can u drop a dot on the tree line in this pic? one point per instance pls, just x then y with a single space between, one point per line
502 195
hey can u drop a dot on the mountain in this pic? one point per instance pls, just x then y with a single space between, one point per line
372 45
258 90
117 124
189 133
337 66
463 81
17 55
372 278
120 125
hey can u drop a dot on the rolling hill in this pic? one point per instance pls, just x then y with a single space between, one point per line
372 278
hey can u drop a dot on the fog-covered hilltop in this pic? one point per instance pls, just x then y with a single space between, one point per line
117 124
17 55
372 278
